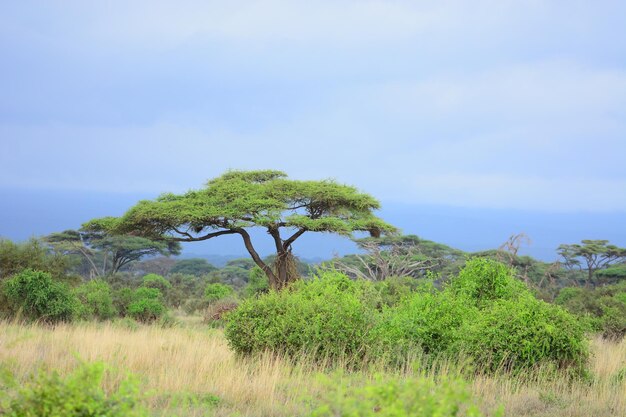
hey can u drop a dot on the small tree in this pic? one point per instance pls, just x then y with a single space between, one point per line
106 253
395 256
591 256
239 200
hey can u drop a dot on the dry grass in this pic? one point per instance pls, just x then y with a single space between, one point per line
197 361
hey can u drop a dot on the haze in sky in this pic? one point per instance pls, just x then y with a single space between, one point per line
470 121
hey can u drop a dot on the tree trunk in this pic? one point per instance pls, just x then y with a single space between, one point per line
286 269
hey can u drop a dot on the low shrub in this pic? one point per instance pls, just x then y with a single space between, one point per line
156 281
604 308
500 326
80 394
328 317
484 280
217 291
428 321
96 301
121 300
398 397
146 305
518 334
36 296
394 290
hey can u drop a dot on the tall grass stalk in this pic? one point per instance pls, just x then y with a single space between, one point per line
194 362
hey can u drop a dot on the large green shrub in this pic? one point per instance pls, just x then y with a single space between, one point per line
484 280
515 334
80 394
484 313
156 281
146 305
217 291
428 321
399 397
328 316
96 300
122 297
36 296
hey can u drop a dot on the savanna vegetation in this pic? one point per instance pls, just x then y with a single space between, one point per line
105 320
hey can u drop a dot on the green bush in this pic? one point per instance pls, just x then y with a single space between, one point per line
217 291
146 305
122 298
80 394
604 308
428 321
396 397
156 281
331 316
394 290
484 280
517 334
33 254
257 283
36 296
96 300
328 317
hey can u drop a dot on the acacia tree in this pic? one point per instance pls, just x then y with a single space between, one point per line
591 256
239 200
395 256
107 253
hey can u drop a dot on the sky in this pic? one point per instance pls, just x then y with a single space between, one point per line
505 110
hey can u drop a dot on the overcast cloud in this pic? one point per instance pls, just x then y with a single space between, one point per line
494 104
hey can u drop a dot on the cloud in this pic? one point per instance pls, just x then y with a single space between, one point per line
488 103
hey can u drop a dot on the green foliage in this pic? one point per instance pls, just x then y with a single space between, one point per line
117 251
603 307
80 394
518 334
214 292
257 283
156 281
428 321
238 200
96 300
194 266
146 305
36 296
393 290
591 255
231 275
187 291
484 280
485 313
328 317
122 297
399 397
16 257
243 263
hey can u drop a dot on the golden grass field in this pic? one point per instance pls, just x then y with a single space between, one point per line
195 362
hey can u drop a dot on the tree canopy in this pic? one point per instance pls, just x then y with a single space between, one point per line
239 200
591 255
107 253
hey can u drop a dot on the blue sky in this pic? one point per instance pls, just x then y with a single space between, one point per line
494 105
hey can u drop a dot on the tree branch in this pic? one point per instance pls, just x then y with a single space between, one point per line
293 237
205 237
255 256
